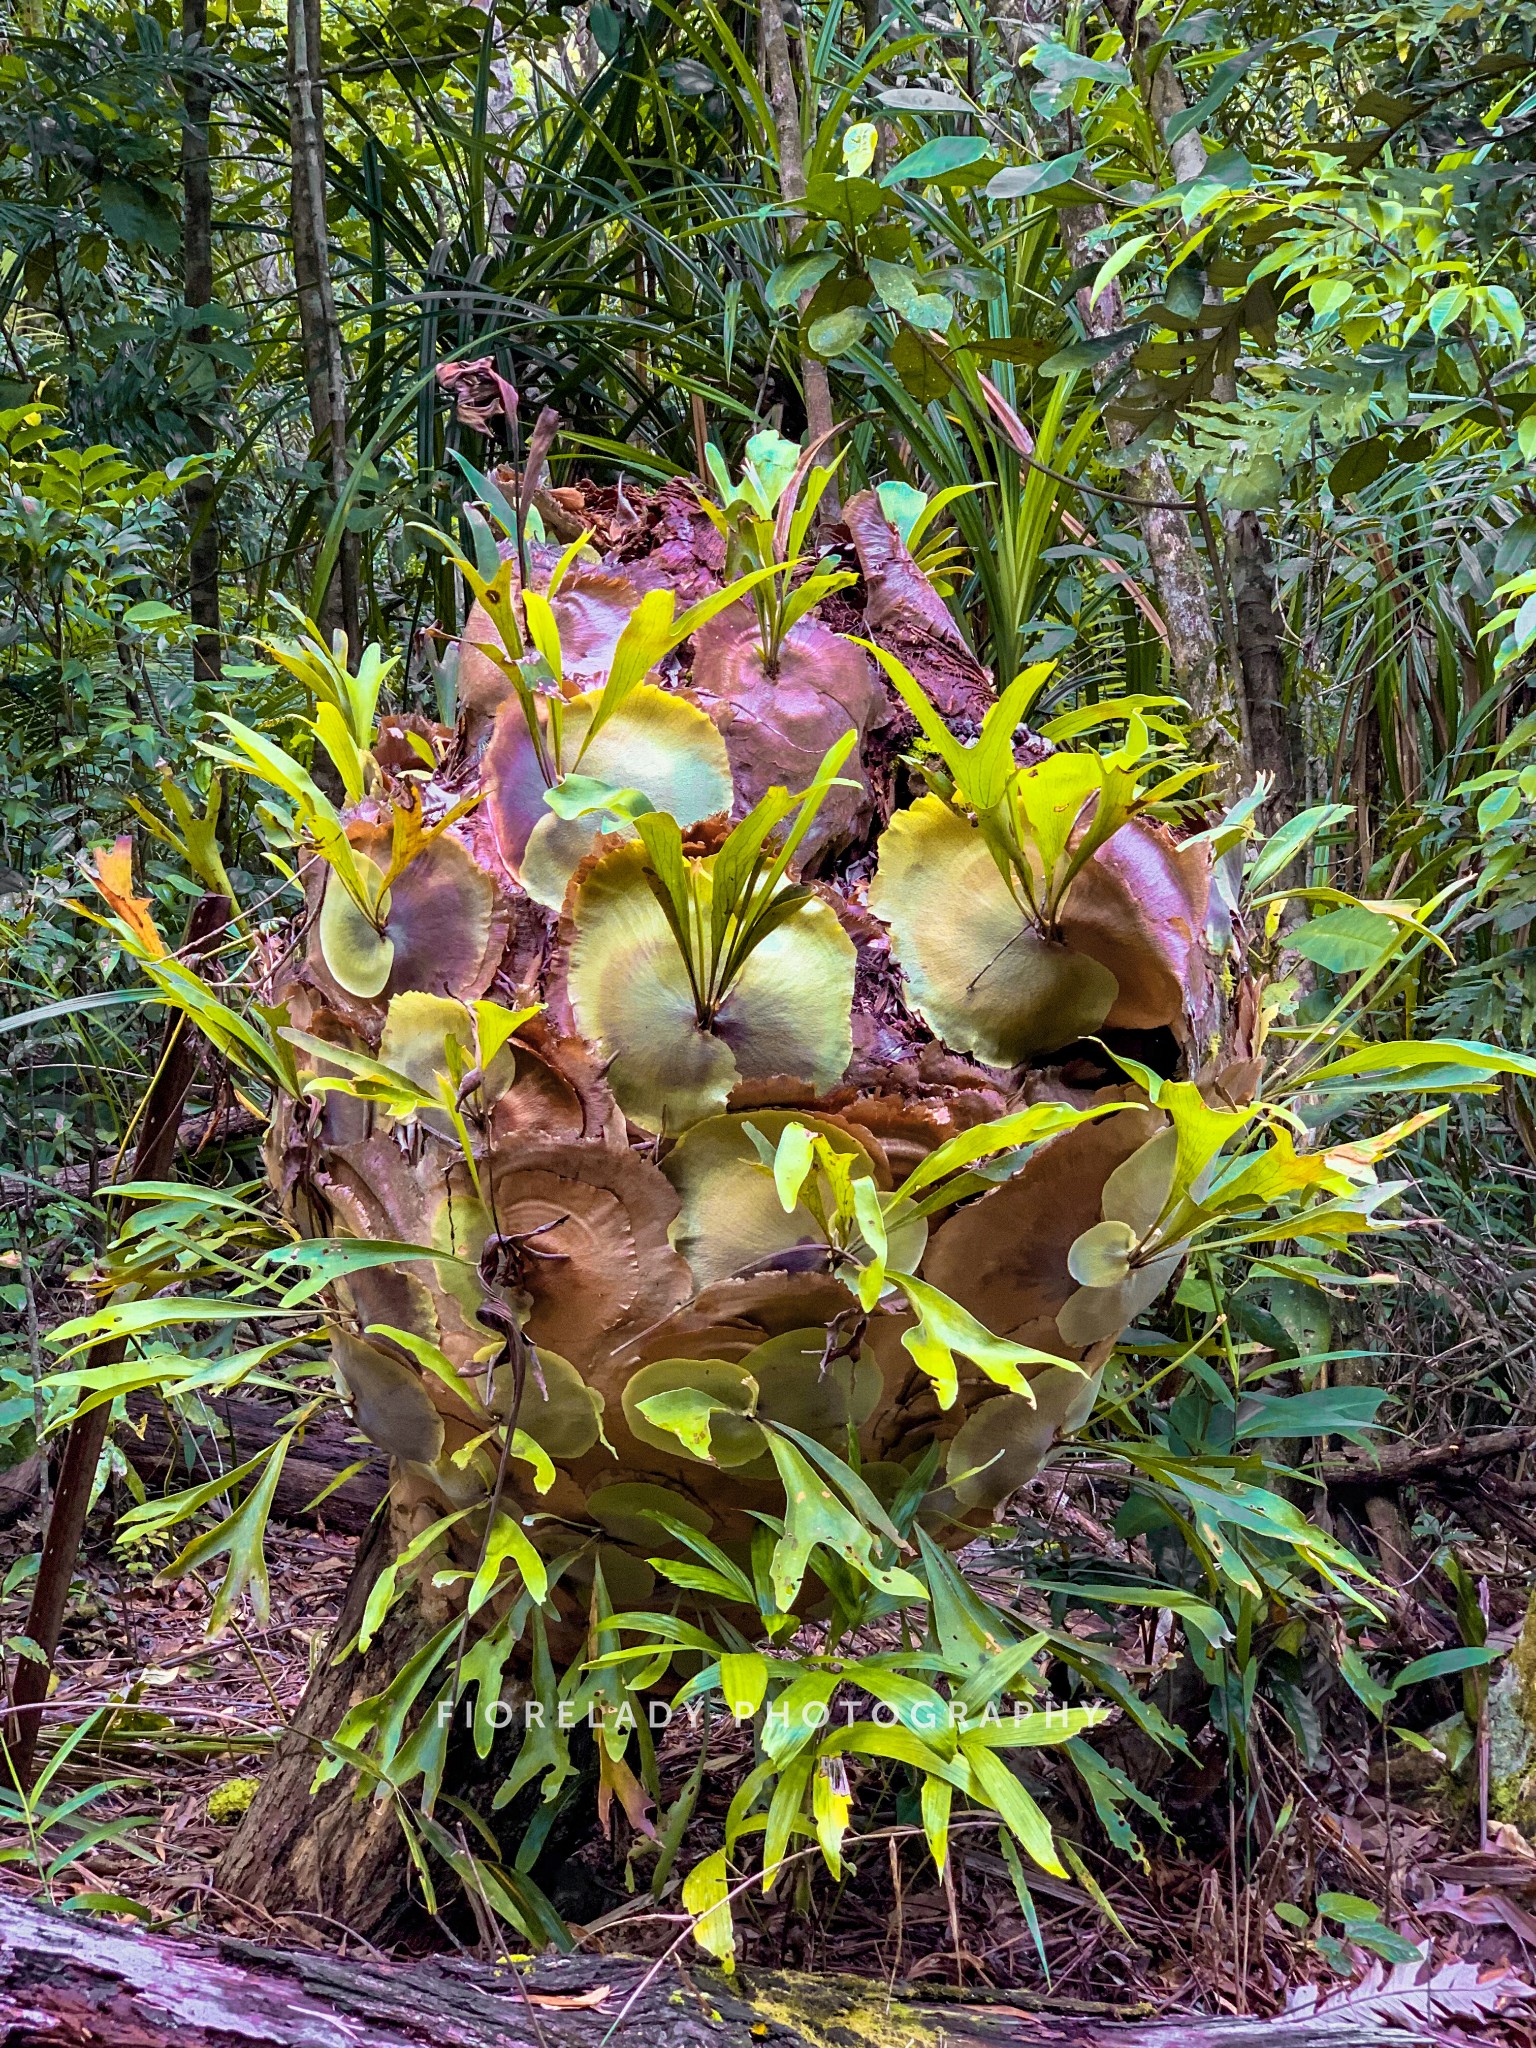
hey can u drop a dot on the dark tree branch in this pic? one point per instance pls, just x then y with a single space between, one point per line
153 1154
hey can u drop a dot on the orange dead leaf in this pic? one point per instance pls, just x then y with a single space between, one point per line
114 881
615 1776
571 2001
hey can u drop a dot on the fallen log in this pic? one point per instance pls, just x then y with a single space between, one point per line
68 1980
21 1193
155 1447
1393 1463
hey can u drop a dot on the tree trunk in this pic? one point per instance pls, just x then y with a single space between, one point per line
1183 592
1271 730
1271 747
1160 88
201 495
328 1856
325 367
785 103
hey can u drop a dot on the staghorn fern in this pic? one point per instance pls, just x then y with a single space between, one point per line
605 1183
727 1243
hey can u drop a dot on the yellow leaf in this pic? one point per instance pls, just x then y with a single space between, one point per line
707 1896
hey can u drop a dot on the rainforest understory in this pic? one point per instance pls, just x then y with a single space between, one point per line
767 1024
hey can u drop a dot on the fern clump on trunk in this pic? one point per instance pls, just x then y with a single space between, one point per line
737 1071
609 970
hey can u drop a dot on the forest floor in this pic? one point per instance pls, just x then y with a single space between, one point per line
155 1794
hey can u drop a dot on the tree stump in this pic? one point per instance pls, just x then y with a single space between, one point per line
330 1855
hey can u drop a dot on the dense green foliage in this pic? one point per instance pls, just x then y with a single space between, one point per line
1261 277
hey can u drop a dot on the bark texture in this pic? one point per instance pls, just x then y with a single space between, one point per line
329 1855
1178 571
325 367
67 1980
201 496
1273 737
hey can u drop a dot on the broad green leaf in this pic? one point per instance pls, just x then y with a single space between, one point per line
1363 1683
1443 1663
241 1537
977 970
646 637
995 1786
901 292
743 1682
944 1327
814 1518
901 1745
1009 1133
1342 1411
1101 1255
639 974
390 1402
794 1718
381 1594
791 1164
935 1800
687 1414
1023 181
915 1705
544 632
1293 837
799 275
1398 1060
1112 266
579 796
860 141
842 1476
990 767
1206 1618
1041 1728
358 953
135 1318
936 159
784 1815
1345 941
507 1543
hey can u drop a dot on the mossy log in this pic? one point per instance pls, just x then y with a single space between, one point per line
67 1980
1511 1718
